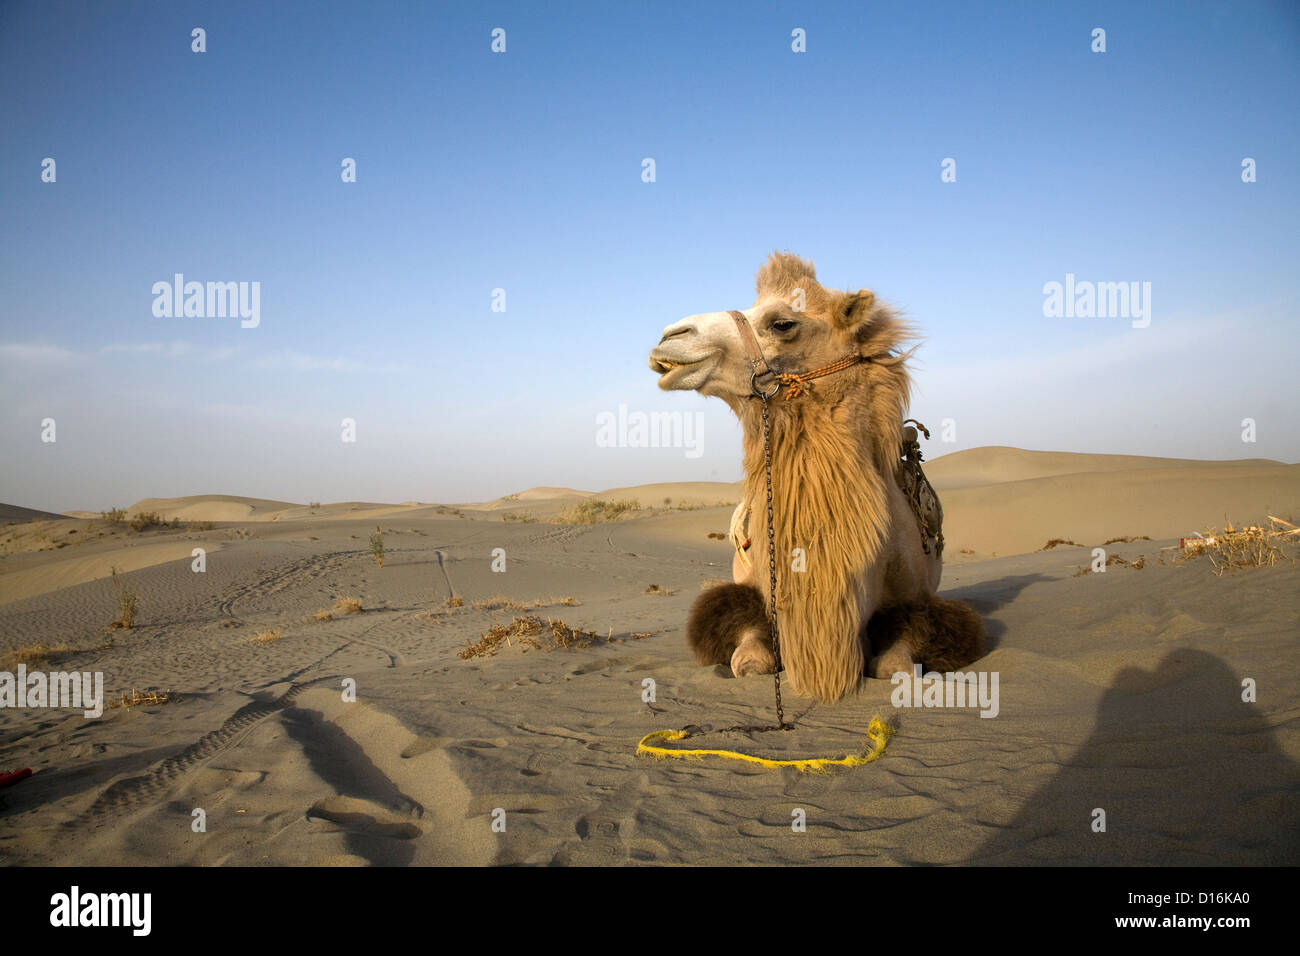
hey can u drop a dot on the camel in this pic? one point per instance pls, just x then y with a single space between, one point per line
858 598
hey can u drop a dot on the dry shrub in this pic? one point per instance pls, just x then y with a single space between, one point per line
323 615
1237 549
144 520
137 697
1140 537
718 535
454 601
529 632
656 589
596 511
127 603
1055 541
201 526
1110 559
268 636
348 605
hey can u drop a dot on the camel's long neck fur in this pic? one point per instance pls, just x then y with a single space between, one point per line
831 455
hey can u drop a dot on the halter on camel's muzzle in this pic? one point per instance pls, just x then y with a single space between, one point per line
797 383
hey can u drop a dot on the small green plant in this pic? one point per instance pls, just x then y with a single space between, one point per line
127 600
377 546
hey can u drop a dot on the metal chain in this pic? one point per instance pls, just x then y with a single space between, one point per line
771 593
771 572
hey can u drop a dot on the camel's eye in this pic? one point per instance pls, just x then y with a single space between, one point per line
784 325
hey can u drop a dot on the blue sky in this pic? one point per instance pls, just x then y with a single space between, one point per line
522 171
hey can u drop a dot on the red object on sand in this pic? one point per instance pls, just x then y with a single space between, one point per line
10 778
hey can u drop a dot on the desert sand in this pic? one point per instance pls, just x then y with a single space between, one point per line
1119 691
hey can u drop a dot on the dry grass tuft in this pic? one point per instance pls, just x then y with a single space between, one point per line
454 601
136 698
1110 559
718 535
656 589
1055 541
268 636
348 605
127 603
530 631
1237 549
32 654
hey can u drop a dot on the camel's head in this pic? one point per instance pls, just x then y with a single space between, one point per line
799 326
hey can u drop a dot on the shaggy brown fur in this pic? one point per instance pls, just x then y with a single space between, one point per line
941 635
719 617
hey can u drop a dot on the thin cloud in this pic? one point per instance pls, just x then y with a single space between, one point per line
37 354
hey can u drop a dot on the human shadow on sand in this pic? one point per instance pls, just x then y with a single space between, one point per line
1186 772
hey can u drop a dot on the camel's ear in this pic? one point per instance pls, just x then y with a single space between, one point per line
854 309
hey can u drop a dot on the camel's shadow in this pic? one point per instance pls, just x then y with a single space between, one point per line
1185 771
989 596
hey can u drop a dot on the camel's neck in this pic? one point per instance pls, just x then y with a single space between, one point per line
829 474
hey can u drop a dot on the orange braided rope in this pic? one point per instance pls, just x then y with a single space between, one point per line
798 384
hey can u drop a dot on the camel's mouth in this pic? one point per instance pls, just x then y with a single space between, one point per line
678 372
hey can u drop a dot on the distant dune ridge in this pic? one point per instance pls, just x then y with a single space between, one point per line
9 513
997 501
1008 501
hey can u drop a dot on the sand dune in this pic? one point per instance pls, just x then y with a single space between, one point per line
1114 688
996 464
72 570
15 513
1013 517
212 508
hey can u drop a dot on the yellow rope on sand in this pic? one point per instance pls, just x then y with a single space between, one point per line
878 732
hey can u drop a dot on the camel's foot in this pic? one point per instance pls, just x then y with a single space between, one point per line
721 618
897 660
941 635
752 656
